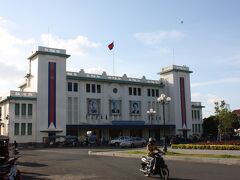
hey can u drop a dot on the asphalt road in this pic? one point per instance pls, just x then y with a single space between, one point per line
76 164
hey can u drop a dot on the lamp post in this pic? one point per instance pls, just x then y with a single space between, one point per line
164 100
151 113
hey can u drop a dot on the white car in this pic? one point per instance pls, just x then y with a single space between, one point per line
117 141
134 142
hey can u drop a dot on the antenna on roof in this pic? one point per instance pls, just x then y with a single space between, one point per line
48 36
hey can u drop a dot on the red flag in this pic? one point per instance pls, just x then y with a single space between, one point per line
110 46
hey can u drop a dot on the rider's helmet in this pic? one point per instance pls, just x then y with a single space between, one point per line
151 140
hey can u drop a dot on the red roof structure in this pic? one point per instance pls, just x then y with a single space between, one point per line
237 112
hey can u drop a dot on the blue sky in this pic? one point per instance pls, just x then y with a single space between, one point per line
145 32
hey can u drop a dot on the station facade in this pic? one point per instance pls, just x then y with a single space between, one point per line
52 101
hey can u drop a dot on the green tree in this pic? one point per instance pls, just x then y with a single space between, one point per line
225 118
210 126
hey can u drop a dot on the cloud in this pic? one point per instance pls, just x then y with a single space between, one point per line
154 38
12 48
195 95
218 81
14 52
77 46
12 78
95 70
4 22
212 98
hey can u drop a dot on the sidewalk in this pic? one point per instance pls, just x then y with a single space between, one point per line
118 153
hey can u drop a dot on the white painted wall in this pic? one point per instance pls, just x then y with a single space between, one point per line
42 96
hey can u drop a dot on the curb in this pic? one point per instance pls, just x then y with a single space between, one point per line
171 158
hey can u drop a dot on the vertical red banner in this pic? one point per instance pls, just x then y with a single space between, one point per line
52 94
183 102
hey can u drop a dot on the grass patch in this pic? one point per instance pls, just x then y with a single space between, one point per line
171 153
136 152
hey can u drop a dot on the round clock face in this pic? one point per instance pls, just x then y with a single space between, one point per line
115 90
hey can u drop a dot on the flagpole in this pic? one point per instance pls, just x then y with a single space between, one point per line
173 56
113 63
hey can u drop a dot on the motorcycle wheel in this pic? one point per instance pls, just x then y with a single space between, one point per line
19 176
165 173
146 174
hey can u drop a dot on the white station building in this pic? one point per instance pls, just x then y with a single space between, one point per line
53 102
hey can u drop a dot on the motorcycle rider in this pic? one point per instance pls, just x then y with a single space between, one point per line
151 150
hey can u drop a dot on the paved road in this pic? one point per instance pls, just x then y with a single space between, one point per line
75 164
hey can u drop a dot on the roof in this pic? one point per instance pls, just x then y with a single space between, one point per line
49 51
114 79
236 111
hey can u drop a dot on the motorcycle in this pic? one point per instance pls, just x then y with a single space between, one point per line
160 167
15 151
8 165
9 170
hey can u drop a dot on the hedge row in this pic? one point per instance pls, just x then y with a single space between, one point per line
210 147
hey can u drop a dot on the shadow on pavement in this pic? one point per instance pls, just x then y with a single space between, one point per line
31 164
179 179
30 176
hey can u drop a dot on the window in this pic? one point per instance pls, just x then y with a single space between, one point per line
88 88
157 93
192 127
24 109
192 114
199 130
93 88
16 129
69 110
139 91
69 86
23 129
130 91
75 110
29 109
98 88
75 87
149 92
198 114
153 92
17 109
29 130
115 90
134 91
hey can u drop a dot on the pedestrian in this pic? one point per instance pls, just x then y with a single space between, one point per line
15 144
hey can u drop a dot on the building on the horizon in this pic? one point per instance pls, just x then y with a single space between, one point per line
52 101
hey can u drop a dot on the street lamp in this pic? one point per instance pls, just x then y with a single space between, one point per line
151 113
164 100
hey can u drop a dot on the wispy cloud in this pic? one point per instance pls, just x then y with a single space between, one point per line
153 38
212 98
12 47
4 22
218 81
76 46
207 101
195 96
14 52
95 70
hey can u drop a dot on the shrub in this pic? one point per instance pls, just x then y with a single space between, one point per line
210 147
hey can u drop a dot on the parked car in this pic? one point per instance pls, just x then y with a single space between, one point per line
116 141
134 142
71 141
